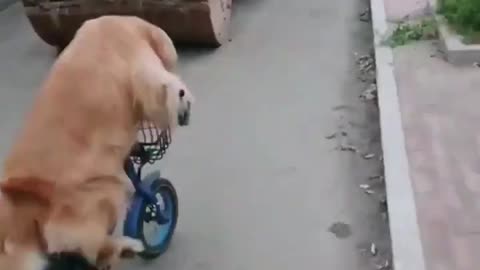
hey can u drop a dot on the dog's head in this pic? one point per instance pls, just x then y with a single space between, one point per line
160 95
179 101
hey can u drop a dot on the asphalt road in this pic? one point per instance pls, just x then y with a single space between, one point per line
258 183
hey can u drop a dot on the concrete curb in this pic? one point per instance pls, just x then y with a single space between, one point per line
456 51
404 229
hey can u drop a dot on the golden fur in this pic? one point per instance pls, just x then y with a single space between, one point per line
62 186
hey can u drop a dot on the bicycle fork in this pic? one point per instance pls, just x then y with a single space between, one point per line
136 179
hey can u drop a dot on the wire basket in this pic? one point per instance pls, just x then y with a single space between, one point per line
152 143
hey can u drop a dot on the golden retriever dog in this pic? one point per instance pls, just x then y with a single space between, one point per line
63 186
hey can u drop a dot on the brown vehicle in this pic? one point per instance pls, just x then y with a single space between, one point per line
200 22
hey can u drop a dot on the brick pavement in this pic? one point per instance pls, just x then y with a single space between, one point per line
441 117
398 10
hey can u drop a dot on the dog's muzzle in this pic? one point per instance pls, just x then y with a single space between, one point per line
184 115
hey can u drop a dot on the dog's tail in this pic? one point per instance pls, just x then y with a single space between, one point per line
32 187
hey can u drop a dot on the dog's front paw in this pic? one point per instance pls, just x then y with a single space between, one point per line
104 267
129 246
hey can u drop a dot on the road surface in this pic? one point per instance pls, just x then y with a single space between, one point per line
258 183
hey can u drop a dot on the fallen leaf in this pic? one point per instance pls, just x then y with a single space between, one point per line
331 136
369 156
335 134
369 191
373 249
348 147
384 266
364 186
369 93
365 15
380 177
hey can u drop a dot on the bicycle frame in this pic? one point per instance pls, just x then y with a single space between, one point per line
135 175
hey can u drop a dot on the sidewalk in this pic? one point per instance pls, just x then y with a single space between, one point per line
440 118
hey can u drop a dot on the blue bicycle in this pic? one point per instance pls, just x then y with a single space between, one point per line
155 202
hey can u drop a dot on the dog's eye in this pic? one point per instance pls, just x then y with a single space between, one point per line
181 93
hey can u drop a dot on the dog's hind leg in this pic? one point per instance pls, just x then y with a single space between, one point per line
83 220
27 260
117 247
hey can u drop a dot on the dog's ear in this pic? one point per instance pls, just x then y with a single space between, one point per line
163 47
155 107
149 92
